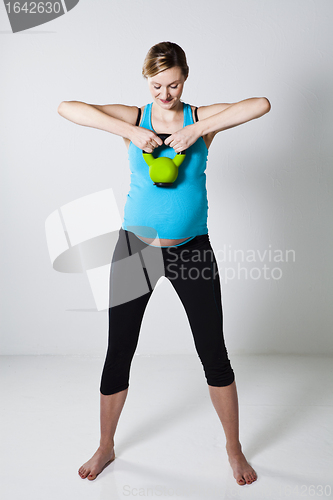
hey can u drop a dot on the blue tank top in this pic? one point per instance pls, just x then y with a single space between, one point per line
174 212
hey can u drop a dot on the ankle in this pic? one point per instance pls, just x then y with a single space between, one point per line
233 448
106 445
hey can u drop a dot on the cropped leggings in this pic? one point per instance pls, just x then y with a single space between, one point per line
192 270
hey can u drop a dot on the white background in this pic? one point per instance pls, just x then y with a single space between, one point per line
268 180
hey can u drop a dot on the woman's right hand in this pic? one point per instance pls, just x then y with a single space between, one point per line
145 139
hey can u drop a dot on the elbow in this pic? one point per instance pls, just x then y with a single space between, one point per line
265 104
62 106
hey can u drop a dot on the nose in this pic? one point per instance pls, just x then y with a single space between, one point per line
164 93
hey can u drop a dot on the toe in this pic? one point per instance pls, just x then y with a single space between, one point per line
249 477
92 476
241 480
84 473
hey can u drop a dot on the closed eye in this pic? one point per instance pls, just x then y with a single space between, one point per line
172 87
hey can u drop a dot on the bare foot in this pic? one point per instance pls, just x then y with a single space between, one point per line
97 463
243 472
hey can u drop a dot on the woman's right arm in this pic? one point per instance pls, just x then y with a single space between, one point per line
117 119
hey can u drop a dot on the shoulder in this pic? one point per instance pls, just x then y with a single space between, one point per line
123 112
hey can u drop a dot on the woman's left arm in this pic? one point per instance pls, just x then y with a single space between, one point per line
214 122
235 114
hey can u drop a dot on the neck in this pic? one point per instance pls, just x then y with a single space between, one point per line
167 115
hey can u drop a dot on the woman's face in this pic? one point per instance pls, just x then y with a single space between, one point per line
166 87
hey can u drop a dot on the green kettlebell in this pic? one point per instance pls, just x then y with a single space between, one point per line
163 171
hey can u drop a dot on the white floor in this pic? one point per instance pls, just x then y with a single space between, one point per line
169 441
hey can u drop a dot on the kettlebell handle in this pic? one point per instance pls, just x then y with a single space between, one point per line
163 137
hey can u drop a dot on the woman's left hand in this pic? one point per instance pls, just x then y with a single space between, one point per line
183 138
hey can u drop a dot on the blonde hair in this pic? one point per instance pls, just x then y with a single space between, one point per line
162 56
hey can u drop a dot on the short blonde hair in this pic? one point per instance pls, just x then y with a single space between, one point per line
162 56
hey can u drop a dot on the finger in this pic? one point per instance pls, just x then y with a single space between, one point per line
155 141
154 144
158 140
168 140
148 148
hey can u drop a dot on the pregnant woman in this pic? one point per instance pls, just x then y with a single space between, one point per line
169 219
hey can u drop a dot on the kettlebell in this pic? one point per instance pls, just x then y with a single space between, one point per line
163 171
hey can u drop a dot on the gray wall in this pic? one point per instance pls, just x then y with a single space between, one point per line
268 180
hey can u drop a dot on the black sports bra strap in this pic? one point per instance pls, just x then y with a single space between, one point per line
138 119
196 114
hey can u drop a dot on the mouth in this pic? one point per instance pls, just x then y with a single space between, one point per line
165 102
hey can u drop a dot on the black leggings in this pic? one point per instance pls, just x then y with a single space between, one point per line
192 270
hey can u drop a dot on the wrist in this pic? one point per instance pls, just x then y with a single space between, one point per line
129 130
199 128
